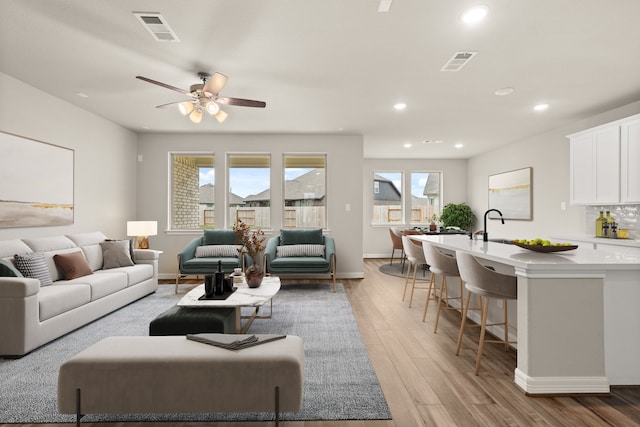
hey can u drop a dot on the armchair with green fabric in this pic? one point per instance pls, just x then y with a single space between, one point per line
301 251
202 254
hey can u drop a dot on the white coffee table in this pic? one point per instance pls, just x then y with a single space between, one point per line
244 296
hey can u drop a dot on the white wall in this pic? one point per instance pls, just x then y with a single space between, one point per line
548 155
105 166
377 242
344 186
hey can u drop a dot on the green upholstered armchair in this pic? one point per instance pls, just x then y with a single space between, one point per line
301 251
201 255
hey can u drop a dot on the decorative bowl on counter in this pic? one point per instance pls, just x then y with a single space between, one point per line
546 249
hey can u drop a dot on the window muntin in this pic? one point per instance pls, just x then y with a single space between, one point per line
249 191
305 185
425 197
387 198
192 191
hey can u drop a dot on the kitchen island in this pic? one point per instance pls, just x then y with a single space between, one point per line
578 318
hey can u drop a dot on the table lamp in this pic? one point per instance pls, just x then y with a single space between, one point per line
142 230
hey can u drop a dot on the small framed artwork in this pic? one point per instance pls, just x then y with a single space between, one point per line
36 183
511 193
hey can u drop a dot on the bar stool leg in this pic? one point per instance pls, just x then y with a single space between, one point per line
462 323
431 290
406 283
443 291
506 326
413 285
485 310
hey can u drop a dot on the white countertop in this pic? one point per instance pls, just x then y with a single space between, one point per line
584 258
597 240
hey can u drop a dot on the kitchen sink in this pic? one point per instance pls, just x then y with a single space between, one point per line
504 241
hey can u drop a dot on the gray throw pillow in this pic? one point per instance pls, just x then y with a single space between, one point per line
115 254
34 266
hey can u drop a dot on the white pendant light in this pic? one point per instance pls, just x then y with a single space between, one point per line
185 107
221 116
196 116
212 108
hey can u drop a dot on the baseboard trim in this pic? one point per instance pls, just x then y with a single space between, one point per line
561 385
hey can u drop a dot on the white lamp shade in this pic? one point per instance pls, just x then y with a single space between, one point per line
142 228
196 116
185 107
212 108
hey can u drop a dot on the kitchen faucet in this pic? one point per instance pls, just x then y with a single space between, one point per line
485 235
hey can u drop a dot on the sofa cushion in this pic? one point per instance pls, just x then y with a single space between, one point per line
86 239
60 298
8 248
73 265
300 251
301 236
116 254
300 265
34 265
49 244
93 254
135 274
7 269
101 283
219 237
224 251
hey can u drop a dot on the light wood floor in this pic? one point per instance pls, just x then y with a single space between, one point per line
425 384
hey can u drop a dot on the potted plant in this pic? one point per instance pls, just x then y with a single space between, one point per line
457 215
252 242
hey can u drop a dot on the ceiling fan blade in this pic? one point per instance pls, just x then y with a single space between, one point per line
221 116
177 89
215 84
170 104
241 102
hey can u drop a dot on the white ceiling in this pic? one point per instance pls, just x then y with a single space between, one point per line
336 66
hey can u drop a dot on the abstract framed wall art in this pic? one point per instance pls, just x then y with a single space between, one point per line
511 193
36 183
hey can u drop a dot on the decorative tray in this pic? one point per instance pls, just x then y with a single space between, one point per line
546 249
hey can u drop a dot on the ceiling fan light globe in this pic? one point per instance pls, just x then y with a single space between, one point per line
221 116
212 108
185 107
196 116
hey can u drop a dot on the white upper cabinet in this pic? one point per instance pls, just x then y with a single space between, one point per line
630 161
604 164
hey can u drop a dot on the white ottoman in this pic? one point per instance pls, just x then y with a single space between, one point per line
170 374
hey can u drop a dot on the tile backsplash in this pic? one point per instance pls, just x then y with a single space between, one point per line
627 216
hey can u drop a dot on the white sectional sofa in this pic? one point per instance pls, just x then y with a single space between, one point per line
32 315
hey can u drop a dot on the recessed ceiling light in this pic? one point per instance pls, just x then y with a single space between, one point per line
475 14
459 145
407 145
541 107
504 91
400 106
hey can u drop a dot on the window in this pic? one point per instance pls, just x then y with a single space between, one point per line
425 197
192 191
249 193
305 184
387 198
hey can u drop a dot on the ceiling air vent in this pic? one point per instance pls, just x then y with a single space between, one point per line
458 60
157 26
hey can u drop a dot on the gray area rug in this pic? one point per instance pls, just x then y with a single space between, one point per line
340 383
396 269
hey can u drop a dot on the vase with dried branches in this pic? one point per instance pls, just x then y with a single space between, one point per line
252 242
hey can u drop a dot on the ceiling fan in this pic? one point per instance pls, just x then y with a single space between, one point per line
205 97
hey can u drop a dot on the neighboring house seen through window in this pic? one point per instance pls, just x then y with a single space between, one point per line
305 184
192 191
249 192
387 198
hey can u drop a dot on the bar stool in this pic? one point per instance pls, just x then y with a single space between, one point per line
396 243
442 265
486 283
415 257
